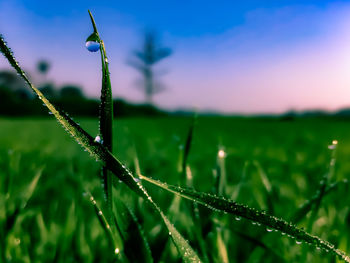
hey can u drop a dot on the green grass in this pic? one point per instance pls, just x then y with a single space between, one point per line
203 233
293 155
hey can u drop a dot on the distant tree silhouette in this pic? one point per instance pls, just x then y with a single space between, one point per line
145 59
43 66
46 87
71 92
12 82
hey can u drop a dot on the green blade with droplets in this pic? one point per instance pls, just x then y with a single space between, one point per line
270 222
101 153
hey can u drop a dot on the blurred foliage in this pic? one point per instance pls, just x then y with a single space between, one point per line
17 100
43 66
58 223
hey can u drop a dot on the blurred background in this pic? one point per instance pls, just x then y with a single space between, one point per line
251 57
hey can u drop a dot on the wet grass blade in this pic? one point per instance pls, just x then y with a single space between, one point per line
220 172
106 120
133 235
307 205
28 193
237 190
187 147
267 186
323 185
114 239
101 153
270 222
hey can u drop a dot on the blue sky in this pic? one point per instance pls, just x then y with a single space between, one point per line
231 56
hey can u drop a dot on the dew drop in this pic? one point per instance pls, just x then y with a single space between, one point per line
269 230
298 242
17 241
237 218
116 251
92 46
98 139
137 180
221 153
100 213
169 233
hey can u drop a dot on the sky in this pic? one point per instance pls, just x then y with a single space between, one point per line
229 56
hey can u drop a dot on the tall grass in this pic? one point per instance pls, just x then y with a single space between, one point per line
119 222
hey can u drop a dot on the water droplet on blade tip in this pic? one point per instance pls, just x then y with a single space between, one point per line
92 46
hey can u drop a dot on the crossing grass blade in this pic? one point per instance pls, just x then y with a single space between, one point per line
101 153
221 204
307 205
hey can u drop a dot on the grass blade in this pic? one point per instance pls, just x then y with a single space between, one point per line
113 238
307 205
220 172
101 153
133 235
106 120
271 222
27 194
242 181
188 146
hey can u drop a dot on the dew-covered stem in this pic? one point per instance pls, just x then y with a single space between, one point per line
106 121
221 204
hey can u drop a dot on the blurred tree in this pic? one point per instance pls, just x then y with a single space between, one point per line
46 87
13 83
43 66
144 61
49 91
71 92
11 80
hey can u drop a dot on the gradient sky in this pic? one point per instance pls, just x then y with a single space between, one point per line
231 56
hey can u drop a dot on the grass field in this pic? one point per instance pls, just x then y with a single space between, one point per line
270 165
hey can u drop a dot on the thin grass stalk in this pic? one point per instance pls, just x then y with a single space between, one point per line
308 204
187 176
321 193
187 147
106 121
114 238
